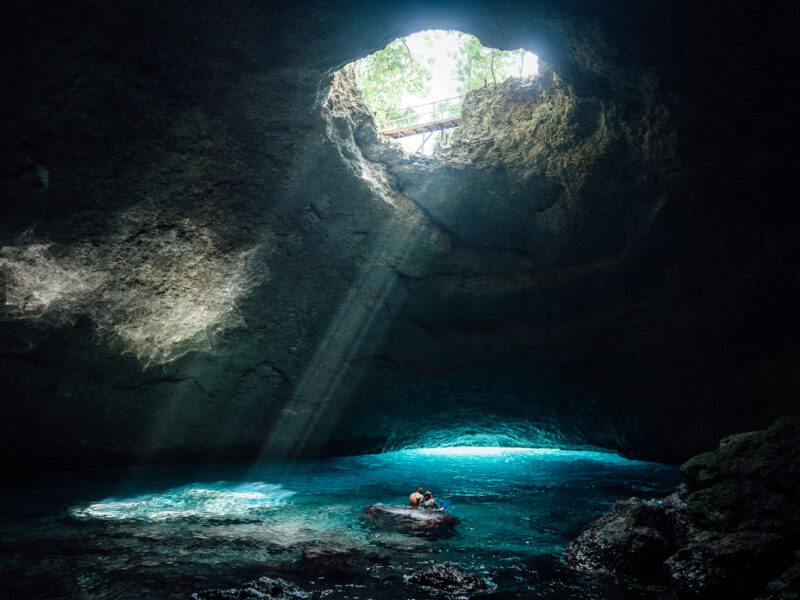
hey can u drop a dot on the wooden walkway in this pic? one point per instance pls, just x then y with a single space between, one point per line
439 125
436 116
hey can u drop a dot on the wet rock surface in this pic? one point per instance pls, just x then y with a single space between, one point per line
633 538
451 580
734 565
424 523
259 589
337 565
730 531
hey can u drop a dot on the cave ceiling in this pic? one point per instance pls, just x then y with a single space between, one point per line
208 252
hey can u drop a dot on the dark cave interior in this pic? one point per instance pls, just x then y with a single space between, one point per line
209 253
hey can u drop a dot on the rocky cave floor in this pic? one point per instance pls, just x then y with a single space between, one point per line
731 530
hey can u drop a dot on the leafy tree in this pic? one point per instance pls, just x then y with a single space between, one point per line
521 54
476 66
387 75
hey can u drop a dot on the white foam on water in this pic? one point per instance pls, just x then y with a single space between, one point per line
198 500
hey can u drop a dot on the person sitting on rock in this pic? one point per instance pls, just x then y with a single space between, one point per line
430 502
416 498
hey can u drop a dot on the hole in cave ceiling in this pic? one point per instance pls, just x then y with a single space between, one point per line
415 85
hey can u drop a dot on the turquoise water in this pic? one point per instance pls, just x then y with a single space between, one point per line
168 532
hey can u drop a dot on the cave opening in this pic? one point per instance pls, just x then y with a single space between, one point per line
506 99
414 86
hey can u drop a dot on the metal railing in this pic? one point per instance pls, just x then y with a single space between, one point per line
439 110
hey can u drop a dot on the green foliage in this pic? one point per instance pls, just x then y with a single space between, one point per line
476 66
387 75
447 108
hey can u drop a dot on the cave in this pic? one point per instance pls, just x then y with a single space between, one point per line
239 323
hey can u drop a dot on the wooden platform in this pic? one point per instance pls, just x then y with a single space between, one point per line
423 127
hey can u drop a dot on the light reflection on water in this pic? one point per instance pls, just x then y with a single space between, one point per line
512 499
515 504
463 471
203 500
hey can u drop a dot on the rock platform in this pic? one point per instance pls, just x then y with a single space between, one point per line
414 521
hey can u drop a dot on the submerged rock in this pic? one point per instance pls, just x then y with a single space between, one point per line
260 589
340 566
450 580
427 523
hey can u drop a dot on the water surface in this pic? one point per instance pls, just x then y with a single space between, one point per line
167 532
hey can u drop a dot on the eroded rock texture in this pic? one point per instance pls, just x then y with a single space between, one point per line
731 531
450 580
206 252
424 523
259 589
633 538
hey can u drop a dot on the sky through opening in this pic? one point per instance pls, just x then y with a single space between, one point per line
432 66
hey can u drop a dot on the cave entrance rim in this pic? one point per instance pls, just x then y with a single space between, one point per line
415 85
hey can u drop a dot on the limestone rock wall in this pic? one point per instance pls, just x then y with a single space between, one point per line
207 254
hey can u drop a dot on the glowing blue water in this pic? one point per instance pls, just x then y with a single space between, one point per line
216 500
219 525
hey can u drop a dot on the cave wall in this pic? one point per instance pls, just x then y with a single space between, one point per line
205 256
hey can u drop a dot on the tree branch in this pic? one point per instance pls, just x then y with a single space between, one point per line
410 54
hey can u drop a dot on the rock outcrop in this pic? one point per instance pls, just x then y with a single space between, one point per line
425 523
731 531
263 588
533 148
448 579
633 538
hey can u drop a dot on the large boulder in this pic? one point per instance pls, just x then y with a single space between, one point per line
738 505
633 538
735 532
414 521
771 456
734 565
751 482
